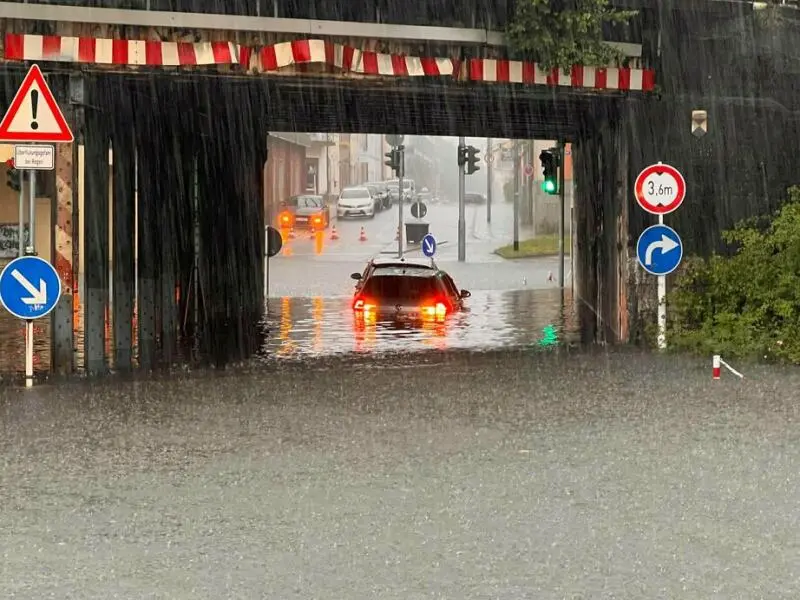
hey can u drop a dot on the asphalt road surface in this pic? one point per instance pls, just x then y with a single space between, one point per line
504 475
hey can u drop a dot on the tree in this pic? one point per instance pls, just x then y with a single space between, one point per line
563 33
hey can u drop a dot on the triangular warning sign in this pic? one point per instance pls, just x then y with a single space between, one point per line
34 115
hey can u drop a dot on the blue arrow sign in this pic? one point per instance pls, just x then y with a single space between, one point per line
429 245
659 250
29 287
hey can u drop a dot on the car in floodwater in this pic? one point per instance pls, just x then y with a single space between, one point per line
407 292
305 210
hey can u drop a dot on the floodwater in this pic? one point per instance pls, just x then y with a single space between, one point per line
508 474
308 327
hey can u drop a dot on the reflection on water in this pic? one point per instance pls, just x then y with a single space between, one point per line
317 326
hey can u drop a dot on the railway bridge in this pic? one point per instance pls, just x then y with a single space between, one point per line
183 93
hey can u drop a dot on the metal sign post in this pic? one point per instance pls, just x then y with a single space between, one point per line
561 207
29 286
30 251
660 189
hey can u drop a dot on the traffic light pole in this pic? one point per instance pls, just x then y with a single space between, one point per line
400 172
489 161
517 165
561 206
462 217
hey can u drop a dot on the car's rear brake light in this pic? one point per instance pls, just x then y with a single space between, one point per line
439 309
363 305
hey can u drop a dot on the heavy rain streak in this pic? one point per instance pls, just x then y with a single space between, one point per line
389 300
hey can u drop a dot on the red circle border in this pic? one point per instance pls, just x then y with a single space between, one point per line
638 190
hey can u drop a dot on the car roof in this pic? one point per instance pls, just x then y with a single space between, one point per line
409 262
356 187
404 271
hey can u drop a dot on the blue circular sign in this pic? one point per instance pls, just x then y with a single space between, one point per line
29 287
659 250
429 245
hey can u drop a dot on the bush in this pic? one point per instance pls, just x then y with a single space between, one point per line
745 304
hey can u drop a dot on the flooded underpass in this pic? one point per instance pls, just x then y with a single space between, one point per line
316 327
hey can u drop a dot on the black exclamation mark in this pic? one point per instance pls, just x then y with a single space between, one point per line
34 108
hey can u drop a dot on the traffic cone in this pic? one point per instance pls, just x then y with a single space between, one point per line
291 235
334 235
549 276
362 236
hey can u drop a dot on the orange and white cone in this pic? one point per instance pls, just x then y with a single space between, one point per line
549 276
362 236
334 234
291 235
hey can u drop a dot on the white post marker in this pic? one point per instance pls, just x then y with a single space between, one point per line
717 362
659 190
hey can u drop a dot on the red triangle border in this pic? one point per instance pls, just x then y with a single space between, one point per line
35 76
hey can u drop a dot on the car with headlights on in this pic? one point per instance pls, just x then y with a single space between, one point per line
304 210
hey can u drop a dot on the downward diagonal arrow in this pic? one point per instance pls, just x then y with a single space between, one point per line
37 296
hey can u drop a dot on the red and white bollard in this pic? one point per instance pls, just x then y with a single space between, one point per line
716 367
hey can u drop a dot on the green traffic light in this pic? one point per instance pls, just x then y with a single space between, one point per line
549 186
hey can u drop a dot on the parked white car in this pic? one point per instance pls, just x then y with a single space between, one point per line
355 202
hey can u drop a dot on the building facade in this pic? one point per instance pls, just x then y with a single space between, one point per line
286 172
322 160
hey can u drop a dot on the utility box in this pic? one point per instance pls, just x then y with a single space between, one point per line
415 231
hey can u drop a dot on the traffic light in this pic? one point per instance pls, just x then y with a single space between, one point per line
468 156
13 177
549 159
394 160
472 160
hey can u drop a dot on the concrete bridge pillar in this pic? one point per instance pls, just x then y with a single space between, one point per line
602 201
64 217
123 298
232 148
95 232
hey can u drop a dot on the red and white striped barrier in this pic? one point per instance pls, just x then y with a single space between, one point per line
716 367
300 53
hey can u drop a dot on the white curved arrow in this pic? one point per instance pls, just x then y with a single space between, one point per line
36 296
665 244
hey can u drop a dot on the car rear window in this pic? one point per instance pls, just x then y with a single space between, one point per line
307 202
402 287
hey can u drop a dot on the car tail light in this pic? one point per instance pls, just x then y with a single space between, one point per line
317 220
363 305
286 219
436 310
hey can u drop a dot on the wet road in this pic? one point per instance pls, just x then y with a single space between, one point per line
502 475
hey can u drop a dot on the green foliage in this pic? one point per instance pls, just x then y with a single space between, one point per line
564 36
746 304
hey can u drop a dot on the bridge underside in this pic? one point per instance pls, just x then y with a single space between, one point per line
191 150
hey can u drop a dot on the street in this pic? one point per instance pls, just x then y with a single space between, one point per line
313 265
605 474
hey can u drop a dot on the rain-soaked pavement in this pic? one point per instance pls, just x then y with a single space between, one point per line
507 474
